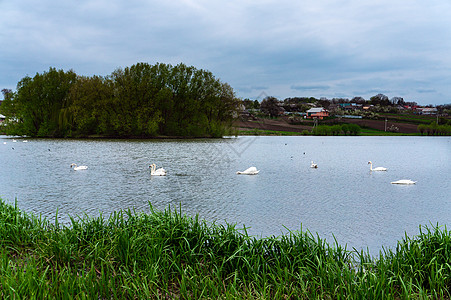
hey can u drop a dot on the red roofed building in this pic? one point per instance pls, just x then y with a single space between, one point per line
317 112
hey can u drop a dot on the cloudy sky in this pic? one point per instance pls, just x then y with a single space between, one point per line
318 48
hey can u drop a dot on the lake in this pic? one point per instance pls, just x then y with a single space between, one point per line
342 198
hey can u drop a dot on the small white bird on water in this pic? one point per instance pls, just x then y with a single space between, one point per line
249 171
78 168
157 172
403 181
376 169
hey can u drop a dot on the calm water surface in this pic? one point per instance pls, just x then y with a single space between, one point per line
341 198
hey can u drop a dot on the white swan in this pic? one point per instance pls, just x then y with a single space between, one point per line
78 168
249 171
403 181
157 172
376 169
313 165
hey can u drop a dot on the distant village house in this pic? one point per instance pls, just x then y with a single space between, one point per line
426 111
350 106
317 113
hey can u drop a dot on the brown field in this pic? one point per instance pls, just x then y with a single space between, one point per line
282 124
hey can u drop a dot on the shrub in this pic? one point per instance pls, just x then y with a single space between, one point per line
354 129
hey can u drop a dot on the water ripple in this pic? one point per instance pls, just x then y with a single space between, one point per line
341 198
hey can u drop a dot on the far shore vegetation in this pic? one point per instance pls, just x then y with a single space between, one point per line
169 255
340 116
335 130
139 101
165 101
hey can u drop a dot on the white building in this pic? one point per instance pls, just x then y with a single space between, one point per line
428 111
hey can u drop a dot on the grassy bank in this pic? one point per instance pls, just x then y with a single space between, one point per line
375 132
255 131
165 254
364 132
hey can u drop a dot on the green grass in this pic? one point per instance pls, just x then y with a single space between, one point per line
365 131
267 132
409 118
375 132
165 254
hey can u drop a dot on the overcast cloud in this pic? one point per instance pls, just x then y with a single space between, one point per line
319 48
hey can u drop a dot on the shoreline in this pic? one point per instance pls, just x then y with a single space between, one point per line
283 126
369 127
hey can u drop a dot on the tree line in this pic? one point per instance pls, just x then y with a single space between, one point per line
435 128
345 129
380 102
139 101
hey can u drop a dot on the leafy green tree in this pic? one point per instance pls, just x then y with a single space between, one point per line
248 104
397 101
380 99
354 129
422 128
141 100
7 107
358 100
270 106
7 94
345 128
135 113
38 102
256 104
335 129
91 107
321 130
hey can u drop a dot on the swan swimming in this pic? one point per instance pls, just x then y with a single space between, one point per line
376 169
157 172
249 171
403 181
313 165
78 168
